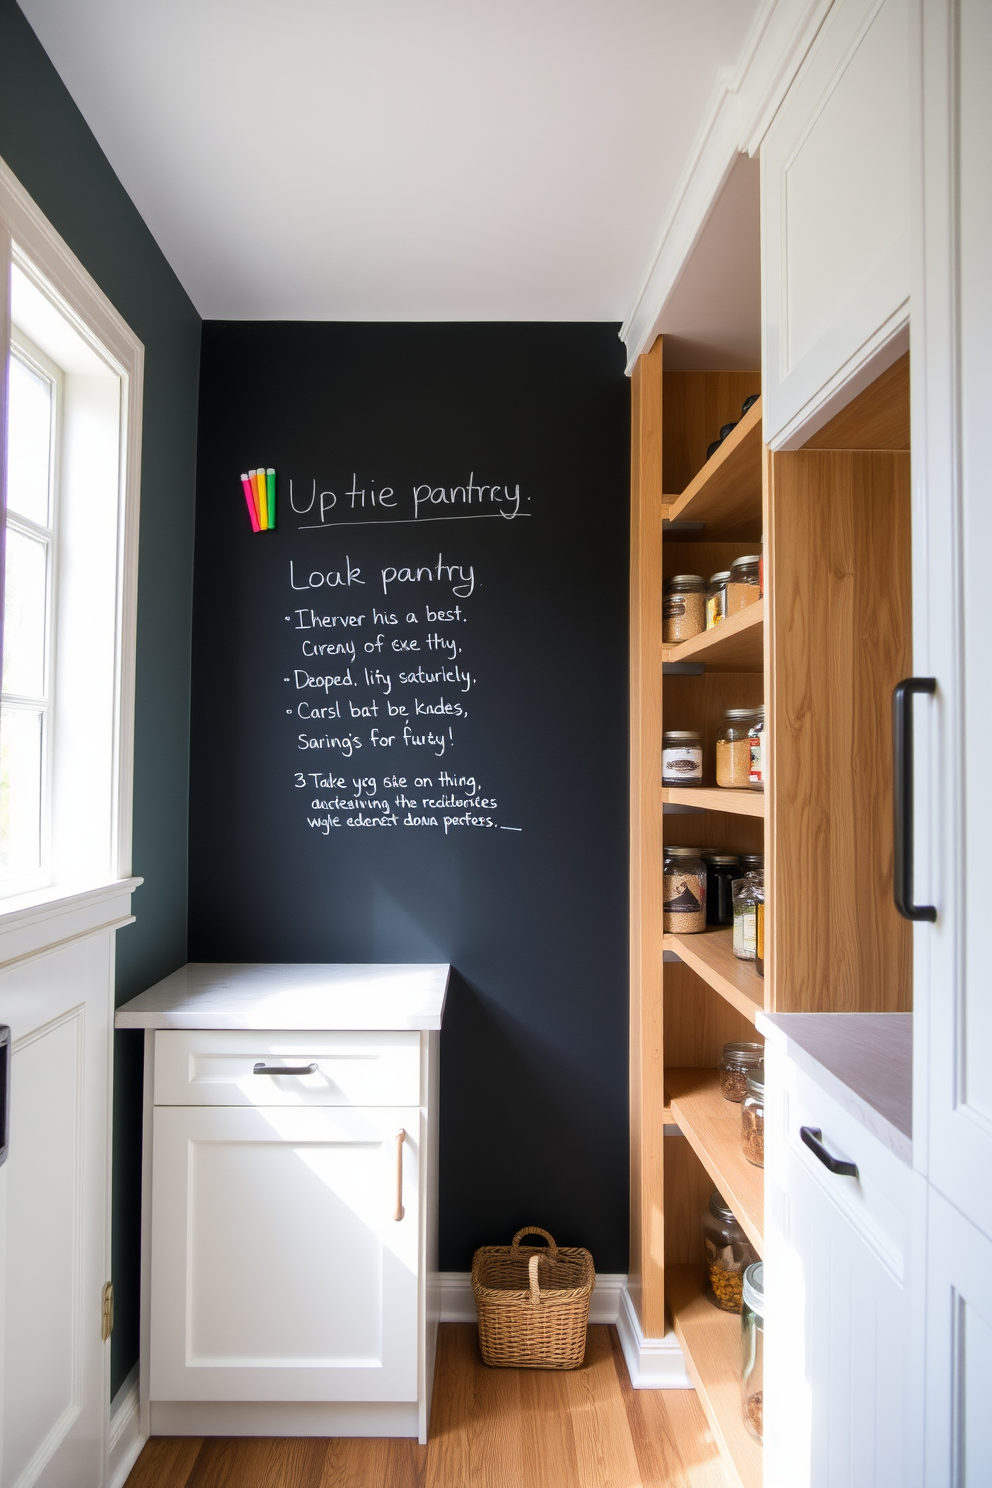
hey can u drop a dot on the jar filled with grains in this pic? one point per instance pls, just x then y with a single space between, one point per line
721 870
716 598
744 584
681 757
683 608
737 1062
756 743
728 1254
753 1118
684 891
733 748
747 891
753 1348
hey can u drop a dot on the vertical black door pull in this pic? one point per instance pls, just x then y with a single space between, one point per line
902 779
4 1091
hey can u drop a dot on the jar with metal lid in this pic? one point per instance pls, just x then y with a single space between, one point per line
747 891
756 745
727 1252
733 748
684 891
716 598
736 1062
752 862
744 584
753 1348
753 1118
681 757
683 608
721 870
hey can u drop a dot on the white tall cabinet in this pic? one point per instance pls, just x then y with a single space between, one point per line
290 1180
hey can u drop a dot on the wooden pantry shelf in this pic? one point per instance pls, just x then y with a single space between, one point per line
715 798
711 1343
712 1126
726 494
710 955
735 645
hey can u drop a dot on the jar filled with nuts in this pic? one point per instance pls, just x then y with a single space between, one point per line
753 1118
684 891
683 608
736 1062
728 1253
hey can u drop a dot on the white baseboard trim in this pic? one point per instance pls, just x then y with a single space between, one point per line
458 1302
125 1439
652 1363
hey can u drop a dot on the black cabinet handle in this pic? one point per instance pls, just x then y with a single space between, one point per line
813 1137
4 1091
902 779
283 1069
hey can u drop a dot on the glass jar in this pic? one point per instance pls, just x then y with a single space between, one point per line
681 757
744 584
721 870
759 936
736 1062
753 1349
756 745
728 1254
683 608
753 1118
716 598
747 891
733 748
752 862
684 892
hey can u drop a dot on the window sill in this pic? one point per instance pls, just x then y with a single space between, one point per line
44 920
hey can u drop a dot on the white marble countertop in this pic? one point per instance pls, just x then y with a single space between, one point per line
865 1060
318 997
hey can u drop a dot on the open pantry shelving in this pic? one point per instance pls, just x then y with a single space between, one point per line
834 521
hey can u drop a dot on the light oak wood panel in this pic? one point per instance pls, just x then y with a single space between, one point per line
713 798
724 830
710 954
877 419
682 553
711 1341
490 1428
698 1021
697 405
735 645
700 703
838 639
712 1127
726 494
646 1269
688 1187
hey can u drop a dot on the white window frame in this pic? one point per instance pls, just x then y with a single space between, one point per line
28 240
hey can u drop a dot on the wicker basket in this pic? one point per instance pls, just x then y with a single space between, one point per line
533 1303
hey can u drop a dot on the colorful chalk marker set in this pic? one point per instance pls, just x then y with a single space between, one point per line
260 493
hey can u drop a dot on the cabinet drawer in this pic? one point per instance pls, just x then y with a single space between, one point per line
217 1068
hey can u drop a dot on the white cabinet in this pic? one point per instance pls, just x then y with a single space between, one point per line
290 1279
836 1323
835 210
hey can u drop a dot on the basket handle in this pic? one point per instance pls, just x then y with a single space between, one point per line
535 1287
536 1230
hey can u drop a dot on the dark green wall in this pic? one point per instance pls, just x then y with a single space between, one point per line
49 147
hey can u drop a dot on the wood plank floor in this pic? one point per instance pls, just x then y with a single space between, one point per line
490 1428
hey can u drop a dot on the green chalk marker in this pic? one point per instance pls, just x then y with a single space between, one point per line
270 490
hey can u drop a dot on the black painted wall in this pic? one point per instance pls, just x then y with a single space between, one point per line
47 144
534 1045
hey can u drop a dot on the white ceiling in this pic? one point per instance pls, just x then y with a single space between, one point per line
399 159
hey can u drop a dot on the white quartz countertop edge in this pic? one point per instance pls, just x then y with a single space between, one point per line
313 997
856 1104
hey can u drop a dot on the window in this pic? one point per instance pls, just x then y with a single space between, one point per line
34 396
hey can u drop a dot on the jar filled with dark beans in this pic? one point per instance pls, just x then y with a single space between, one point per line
721 870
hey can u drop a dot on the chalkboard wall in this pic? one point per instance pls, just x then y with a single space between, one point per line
409 720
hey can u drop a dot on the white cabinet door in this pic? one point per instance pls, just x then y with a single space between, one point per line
279 1268
835 209
836 1322
54 1250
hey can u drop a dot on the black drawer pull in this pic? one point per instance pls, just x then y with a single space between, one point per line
813 1137
261 1068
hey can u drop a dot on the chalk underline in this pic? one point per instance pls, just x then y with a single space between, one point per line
511 829
409 521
